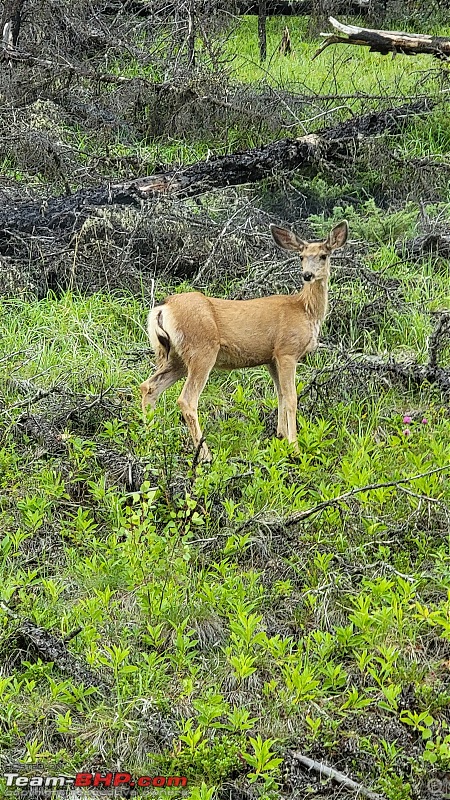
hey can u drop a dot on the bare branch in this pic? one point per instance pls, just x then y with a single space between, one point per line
299 516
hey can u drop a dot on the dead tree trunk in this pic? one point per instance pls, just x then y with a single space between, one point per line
10 23
262 35
308 154
318 8
385 42
316 18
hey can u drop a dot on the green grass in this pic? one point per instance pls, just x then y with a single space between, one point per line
339 70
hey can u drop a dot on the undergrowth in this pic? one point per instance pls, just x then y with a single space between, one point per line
225 634
236 614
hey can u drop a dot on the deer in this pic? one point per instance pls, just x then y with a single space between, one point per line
192 334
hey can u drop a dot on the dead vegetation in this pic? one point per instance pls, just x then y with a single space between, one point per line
54 416
104 237
29 641
64 110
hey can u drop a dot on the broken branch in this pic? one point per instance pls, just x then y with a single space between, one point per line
48 647
384 42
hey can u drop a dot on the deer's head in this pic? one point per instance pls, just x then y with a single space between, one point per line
315 256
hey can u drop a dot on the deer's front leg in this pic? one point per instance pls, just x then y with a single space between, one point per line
286 367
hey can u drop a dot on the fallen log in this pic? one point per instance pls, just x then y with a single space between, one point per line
408 372
307 154
299 516
385 42
38 642
334 775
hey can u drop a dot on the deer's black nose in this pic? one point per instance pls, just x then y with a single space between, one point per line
308 276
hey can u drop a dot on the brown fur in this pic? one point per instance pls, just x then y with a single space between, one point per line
192 334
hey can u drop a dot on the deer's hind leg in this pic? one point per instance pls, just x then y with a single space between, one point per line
167 374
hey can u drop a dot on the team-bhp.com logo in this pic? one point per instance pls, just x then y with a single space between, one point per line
109 780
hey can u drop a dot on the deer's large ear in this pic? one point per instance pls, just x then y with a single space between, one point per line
287 240
338 236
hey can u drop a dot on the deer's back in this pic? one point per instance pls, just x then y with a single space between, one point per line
245 332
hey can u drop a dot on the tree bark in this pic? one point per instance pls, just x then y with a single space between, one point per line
285 48
386 41
262 35
434 243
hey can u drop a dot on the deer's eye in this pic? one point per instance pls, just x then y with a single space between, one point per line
323 258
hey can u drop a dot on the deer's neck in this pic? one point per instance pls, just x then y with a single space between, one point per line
314 299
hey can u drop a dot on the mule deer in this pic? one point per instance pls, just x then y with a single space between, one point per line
191 334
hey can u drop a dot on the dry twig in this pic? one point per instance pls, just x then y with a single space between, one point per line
335 775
